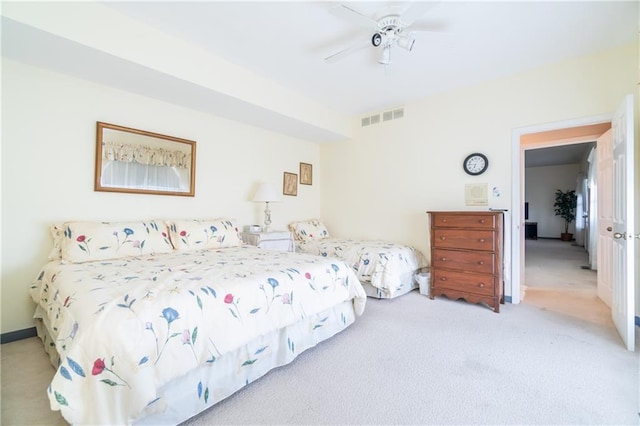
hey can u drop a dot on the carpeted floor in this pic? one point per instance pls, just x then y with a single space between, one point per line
556 280
441 362
413 361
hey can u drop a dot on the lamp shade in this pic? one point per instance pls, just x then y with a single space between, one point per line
266 192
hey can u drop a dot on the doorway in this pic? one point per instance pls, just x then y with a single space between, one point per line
541 137
559 276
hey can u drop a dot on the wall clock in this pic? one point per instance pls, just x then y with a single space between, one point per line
475 164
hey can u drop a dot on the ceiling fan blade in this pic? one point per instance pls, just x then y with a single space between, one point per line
345 52
433 27
354 16
415 10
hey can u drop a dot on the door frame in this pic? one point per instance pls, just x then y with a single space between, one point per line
517 190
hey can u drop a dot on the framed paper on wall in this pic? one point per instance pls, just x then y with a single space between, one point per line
306 174
476 194
290 184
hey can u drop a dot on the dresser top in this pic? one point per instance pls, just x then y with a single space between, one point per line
466 212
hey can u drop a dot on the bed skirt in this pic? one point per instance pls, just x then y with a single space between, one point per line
203 387
383 293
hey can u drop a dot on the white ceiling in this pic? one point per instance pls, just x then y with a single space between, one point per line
287 42
557 155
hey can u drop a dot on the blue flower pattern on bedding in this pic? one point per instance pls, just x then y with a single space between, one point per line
138 323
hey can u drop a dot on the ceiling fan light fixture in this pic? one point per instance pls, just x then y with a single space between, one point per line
376 40
385 57
388 29
406 42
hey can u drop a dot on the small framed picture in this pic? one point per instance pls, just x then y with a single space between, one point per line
306 174
290 184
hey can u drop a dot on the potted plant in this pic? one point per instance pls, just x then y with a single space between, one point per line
565 205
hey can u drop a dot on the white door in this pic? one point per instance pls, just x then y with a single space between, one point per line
604 168
581 210
593 208
623 233
588 236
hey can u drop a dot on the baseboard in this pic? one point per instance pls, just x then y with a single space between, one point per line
12 336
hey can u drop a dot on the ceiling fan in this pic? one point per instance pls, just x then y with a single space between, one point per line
392 29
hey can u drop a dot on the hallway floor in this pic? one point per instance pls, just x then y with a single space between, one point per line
556 281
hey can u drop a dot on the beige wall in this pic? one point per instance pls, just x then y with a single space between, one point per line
48 154
390 174
377 185
540 187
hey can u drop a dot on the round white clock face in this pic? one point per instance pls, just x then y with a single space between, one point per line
475 164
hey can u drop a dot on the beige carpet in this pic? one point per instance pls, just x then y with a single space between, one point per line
555 280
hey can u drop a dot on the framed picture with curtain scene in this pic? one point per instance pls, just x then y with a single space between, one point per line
290 184
306 174
137 161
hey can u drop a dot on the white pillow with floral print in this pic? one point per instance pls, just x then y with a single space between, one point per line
88 241
187 235
309 230
57 236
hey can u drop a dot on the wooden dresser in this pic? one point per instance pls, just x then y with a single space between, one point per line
466 256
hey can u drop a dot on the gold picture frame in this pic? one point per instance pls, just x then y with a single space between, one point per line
119 149
290 184
306 174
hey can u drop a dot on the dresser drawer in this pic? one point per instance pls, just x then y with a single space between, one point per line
448 220
474 261
482 284
464 239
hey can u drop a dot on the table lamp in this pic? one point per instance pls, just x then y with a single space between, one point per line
266 193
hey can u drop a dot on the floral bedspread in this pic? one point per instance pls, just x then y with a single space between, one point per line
123 328
385 265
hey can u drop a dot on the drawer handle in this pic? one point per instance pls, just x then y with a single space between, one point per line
443 278
444 220
481 221
481 285
443 238
481 262
481 240
444 259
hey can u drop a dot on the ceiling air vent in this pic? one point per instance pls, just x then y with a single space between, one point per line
386 116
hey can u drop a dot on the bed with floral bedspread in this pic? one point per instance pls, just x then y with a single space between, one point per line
385 269
158 337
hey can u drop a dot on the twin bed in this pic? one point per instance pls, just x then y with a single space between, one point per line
386 270
153 322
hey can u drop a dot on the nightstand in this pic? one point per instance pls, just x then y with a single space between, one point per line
274 240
